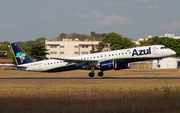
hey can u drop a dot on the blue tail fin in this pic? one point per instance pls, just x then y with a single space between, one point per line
20 56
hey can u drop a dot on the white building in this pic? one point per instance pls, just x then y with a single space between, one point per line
167 63
68 47
137 43
170 35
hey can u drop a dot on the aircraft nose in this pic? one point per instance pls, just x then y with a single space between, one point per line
172 52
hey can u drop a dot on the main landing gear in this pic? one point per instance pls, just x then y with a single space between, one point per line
100 74
91 74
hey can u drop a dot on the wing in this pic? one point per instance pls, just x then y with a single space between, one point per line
86 63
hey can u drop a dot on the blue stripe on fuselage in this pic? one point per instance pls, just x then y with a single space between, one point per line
74 67
65 68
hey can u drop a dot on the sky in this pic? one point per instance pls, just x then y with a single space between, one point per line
24 20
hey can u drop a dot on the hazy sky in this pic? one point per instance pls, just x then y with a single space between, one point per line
23 20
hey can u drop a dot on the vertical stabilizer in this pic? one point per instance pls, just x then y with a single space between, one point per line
20 56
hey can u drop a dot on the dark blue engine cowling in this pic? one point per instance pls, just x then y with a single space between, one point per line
106 65
113 64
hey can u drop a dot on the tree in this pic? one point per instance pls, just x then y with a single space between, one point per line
2 55
61 36
128 43
4 46
117 42
28 44
93 35
38 51
41 40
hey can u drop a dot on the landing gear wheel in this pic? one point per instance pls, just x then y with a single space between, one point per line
100 74
158 65
91 74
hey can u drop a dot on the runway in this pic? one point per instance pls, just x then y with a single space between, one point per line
88 78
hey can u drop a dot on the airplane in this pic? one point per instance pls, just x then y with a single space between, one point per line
103 61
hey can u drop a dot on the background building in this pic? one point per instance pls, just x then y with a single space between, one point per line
167 63
170 35
69 47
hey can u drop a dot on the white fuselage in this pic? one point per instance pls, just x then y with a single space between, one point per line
133 54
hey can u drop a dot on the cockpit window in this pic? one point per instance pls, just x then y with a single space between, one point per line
164 47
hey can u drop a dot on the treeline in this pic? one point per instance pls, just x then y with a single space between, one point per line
171 43
82 37
35 49
5 52
115 42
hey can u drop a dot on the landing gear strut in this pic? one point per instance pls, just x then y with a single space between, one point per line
91 74
158 63
100 74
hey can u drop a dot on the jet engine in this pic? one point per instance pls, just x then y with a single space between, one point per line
112 64
118 65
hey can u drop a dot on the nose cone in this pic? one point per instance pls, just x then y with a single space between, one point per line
172 52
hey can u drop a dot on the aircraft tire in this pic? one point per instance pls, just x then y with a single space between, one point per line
91 74
100 74
158 65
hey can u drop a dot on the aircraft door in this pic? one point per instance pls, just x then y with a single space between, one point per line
154 49
40 66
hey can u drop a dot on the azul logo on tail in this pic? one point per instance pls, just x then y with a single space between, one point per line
21 56
141 52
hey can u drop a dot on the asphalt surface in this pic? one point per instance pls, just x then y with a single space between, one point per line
88 78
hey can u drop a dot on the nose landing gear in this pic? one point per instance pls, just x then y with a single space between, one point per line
158 65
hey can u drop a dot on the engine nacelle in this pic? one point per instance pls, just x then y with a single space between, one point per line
118 65
113 64
106 65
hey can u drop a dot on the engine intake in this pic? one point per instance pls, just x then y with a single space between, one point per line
118 66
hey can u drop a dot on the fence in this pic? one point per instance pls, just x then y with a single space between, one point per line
2 67
141 65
